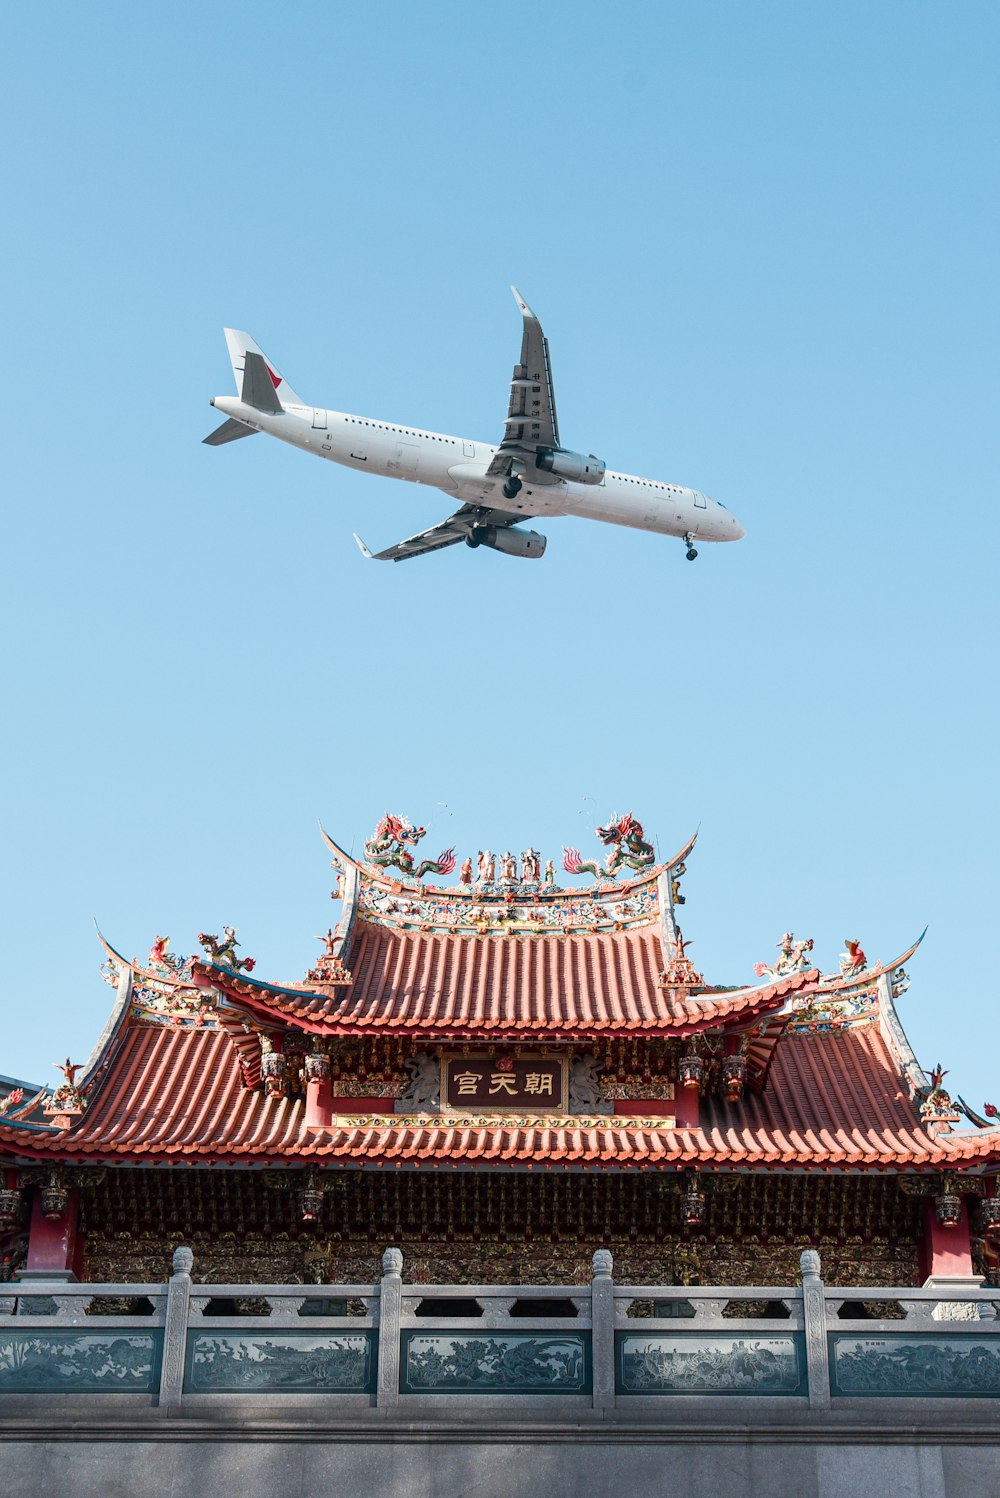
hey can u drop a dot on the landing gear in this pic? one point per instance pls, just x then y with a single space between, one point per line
512 487
689 543
475 537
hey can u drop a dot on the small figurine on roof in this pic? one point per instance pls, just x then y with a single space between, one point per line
937 1108
675 883
793 957
680 972
224 952
163 960
853 960
937 1076
330 968
67 1099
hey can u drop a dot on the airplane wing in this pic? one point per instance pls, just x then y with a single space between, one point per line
447 533
531 416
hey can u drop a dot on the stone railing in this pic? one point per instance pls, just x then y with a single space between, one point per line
391 1345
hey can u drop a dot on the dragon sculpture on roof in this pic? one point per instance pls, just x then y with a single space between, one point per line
625 836
386 849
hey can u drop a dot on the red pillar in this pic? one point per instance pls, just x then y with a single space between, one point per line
686 1107
52 1244
947 1251
318 1103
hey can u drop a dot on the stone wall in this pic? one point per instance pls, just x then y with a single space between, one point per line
740 1457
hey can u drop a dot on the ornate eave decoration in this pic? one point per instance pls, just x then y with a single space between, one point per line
329 971
680 971
849 997
506 912
162 989
68 1101
937 1111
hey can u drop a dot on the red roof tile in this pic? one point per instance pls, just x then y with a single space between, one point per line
546 987
177 1096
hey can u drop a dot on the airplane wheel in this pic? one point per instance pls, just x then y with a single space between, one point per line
691 553
512 488
473 539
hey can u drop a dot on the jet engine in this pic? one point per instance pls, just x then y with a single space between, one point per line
582 468
512 542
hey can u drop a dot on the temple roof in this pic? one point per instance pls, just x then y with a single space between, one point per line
430 986
177 1095
504 959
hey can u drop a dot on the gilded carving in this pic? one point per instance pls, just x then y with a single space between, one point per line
469 1227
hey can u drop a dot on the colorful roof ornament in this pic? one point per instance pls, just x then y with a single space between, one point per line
937 1111
67 1102
224 952
680 971
629 849
386 849
793 957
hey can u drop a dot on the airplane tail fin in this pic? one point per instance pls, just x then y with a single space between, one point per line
257 381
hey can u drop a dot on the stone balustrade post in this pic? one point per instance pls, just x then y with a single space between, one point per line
814 1317
389 1308
602 1321
175 1333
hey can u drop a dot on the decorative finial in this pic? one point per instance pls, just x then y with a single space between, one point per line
183 1260
809 1261
392 1261
602 1263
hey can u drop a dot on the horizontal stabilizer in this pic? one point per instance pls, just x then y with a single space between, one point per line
229 431
258 386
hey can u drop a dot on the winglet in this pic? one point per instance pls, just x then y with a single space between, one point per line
361 546
522 304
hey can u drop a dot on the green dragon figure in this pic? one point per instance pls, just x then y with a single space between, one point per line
386 848
625 834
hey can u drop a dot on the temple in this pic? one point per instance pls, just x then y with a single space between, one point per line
499 1075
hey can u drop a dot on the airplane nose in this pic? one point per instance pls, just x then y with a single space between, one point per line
727 527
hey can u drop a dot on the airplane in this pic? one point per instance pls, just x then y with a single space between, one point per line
529 474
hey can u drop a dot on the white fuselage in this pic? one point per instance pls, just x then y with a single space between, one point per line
457 465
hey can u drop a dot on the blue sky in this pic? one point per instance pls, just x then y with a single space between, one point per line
763 243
